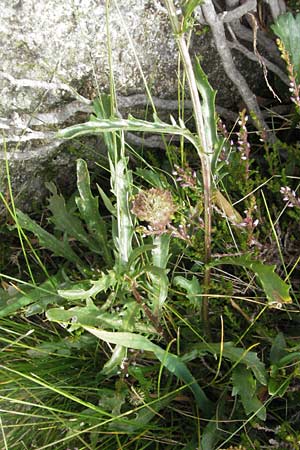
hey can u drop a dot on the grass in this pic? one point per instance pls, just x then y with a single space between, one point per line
135 319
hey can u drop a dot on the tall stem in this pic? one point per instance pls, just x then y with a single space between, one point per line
203 147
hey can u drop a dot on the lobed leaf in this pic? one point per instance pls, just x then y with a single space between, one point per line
276 290
192 288
47 240
88 206
36 295
245 386
99 126
67 222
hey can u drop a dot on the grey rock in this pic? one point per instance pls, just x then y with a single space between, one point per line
54 60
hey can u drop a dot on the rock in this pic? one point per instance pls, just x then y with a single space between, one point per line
54 59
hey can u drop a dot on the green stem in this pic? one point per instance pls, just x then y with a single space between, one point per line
203 148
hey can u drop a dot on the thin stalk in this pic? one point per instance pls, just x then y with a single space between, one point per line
203 147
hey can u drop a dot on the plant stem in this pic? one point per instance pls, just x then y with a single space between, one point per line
203 149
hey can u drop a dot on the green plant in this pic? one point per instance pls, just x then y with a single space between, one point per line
122 358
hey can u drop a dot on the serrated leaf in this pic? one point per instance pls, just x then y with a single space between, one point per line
208 98
127 318
89 210
99 126
192 288
287 28
244 384
66 221
158 287
278 349
47 240
78 293
172 362
88 315
234 354
276 290
46 292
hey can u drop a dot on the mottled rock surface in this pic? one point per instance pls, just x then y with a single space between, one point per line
54 57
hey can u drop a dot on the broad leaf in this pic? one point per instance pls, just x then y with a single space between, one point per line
276 290
234 354
192 288
172 362
244 384
67 222
278 349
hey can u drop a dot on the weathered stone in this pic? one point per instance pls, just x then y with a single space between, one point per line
54 57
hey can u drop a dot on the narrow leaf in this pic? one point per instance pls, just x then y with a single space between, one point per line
208 98
99 126
107 203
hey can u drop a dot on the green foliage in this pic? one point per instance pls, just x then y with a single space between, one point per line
88 207
188 7
192 287
170 361
208 96
277 292
58 247
244 384
287 28
116 355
